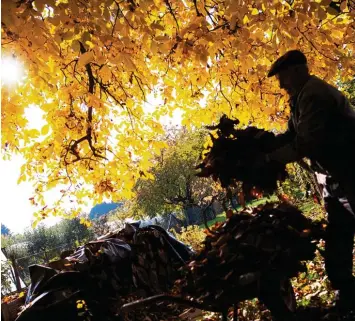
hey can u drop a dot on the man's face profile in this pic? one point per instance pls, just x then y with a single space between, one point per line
285 78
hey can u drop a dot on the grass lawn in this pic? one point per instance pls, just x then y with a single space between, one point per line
308 208
222 216
219 218
312 210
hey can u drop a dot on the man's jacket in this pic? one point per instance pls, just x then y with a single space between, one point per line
322 128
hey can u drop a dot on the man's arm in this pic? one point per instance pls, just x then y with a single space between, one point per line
311 131
313 126
287 137
285 151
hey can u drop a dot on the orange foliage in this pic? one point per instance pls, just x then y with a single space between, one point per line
95 68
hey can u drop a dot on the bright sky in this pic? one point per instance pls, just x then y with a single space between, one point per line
16 210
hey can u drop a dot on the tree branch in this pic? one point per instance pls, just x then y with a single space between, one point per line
125 18
172 12
198 13
73 145
139 81
303 33
220 89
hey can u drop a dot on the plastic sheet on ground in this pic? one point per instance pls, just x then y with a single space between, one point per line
102 275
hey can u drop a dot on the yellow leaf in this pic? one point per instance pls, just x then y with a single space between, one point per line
321 13
44 130
255 12
162 38
233 21
343 6
85 58
154 47
33 133
156 25
128 63
21 179
67 35
105 73
86 36
90 44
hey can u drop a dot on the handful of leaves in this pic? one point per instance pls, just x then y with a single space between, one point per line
233 157
272 240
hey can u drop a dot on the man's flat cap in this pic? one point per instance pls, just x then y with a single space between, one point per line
290 58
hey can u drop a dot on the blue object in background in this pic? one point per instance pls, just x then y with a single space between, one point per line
102 209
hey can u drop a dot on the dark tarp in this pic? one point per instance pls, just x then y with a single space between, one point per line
94 281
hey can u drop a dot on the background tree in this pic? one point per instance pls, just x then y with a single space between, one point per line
46 243
94 68
300 186
100 226
175 186
43 244
349 89
41 241
7 278
128 211
15 251
73 233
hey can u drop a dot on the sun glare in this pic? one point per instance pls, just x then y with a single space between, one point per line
12 71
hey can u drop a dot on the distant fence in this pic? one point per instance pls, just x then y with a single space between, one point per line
21 264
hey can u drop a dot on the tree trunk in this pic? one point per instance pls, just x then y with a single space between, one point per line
214 212
186 212
17 275
188 200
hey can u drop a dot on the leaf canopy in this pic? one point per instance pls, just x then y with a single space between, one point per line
105 72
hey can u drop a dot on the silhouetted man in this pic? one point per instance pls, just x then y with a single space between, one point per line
322 128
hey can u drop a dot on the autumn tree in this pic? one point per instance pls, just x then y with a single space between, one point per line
104 72
175 186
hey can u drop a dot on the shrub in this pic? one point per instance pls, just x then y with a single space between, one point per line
192 235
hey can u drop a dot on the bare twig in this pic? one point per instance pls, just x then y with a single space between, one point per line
139 81
220 89
198 13
172 13
313 45
125 18
219 26
116 17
